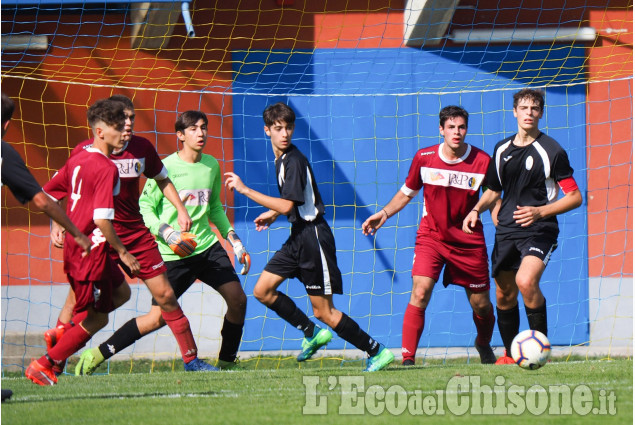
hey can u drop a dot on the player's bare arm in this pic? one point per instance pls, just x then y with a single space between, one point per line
169 191
526 216
377 220
487 200
111 237
264 220
57 214
279 205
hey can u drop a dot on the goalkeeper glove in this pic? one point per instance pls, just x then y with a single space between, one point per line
182 243
240 251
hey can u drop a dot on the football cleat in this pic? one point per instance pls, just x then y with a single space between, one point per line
226 365
408 362
321 337
379 361
89 361
6 394
198 365
39 374
51 337
505 359
486 353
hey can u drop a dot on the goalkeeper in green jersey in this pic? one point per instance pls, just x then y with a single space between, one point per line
192 255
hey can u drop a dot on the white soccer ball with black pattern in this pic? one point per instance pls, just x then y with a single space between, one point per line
531 349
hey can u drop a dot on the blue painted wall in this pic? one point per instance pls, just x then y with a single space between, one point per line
361 115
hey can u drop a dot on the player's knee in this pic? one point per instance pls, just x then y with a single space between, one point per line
238 304
263 294
506 298
419 297
526 284
165 298
482 308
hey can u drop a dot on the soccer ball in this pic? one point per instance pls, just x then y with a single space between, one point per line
531 349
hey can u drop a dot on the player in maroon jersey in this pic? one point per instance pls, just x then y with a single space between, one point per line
451 175
90 180
139 157
25 188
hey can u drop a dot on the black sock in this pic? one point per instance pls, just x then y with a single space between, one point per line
124 337
508 325
289 312
349 330
230 334
537 318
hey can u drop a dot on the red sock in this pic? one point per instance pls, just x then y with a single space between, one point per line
413 320
484 327
180 327
71 342
79 318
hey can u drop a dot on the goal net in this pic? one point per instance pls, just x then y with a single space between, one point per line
367 80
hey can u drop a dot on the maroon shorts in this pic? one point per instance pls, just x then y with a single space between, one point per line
98 293
464 266
141 244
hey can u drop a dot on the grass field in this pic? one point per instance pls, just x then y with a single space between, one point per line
599 391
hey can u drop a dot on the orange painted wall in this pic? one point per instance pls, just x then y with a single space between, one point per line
610 146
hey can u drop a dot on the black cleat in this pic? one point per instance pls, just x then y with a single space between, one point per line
486 353
408 362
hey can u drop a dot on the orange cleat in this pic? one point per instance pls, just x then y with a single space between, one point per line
505 359
41 375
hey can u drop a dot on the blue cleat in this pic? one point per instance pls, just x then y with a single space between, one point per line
320 338
379 361
198 365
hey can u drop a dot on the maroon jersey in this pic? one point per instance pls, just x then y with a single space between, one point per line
136 158
89 180
451 190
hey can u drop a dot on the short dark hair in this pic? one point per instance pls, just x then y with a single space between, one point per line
111 112
189 118
8 106
452 111
535 95
123 99
278 112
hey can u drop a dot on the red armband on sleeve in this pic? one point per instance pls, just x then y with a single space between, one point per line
568 185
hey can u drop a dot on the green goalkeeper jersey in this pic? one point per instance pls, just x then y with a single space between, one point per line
198 185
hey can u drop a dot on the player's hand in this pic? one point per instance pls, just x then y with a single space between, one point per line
83 241
241 252
526 216
184 221
57 235
233 182
470 221
374 222
182 243
131 262
264 220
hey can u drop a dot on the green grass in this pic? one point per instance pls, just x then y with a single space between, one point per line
278 395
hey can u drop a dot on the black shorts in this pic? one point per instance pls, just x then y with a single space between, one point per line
310 256
508 253
212 267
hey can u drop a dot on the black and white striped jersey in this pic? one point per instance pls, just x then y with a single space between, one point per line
296 183
527 176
